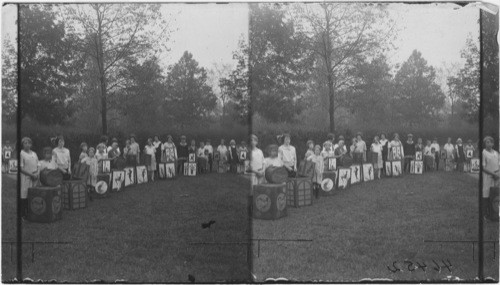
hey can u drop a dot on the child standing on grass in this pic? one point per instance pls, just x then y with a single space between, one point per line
273 158
257 165
310 149
29 172
409 150
396 151
183 153
222 149
62 158
202 158
319 168
92 162
435 149
468 148
168 150
428 157
450 157
135 150
460 155
340 152
47 162
377 162
491 171
242 149
233 156
359 150
83 151
209 150
6 156
288 155
150 150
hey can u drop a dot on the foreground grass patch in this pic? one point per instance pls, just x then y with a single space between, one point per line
147 233
363 229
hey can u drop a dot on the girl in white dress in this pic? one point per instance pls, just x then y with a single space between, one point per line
450 156
490 172
377 162
256 162
319 167
150 150
29 173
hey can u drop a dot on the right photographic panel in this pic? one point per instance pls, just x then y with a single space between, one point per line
375 142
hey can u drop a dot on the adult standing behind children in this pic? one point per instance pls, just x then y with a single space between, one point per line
385 149
450 157
359 155
409 151
157 144
135 150
183 153
209 150
435 151
460 155
376 149
29 172
61 157
168 151
222 149
256 162
491 172
288 156
6 156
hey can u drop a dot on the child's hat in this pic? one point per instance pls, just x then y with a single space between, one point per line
309 142
317 147
459 140
254 137
488 138
232 142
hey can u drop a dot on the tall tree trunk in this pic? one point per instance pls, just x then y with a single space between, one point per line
331 105
102 77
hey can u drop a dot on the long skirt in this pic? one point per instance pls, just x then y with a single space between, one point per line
488 182
152 164
449 164
377 160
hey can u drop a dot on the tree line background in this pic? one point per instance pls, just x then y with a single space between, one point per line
94 69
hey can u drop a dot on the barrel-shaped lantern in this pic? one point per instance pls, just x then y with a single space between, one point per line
51 177
276 175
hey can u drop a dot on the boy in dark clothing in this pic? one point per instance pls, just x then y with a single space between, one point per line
182 155
409 151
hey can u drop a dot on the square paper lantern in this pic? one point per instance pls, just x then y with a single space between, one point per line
243 155
469 153
419 156
368 172
117 180
13 166
170 170
192 157
142 174
161 171
331 164
474 165
419 167
355 174
344 176
130 177
388 168
7 154
396 168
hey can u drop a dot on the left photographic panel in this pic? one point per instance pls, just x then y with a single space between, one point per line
127 123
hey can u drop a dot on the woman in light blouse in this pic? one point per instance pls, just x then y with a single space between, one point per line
61 157
287 154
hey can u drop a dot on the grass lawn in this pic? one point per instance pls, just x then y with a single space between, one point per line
360 231
142 234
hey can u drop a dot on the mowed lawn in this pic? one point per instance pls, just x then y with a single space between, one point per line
360 231
143 234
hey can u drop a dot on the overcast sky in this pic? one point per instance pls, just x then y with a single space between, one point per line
211 31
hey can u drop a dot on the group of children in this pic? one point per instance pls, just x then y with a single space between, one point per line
154 152
455 156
